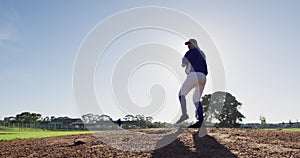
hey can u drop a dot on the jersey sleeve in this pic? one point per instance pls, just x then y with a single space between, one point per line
188 55
185 62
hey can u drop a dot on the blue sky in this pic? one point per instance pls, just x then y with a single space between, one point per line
258 42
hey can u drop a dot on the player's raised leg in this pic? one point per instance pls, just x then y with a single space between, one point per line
187 86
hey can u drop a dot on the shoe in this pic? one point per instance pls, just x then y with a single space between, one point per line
182 118
195 125
202 131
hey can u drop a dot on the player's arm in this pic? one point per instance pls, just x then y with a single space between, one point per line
185 62
185 59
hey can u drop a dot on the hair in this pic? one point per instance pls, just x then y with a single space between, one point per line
201 52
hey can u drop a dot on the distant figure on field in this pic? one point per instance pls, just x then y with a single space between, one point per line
119 124
196 69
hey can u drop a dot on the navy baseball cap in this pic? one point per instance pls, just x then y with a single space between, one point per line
191 41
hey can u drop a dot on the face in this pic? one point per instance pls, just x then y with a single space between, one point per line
190 46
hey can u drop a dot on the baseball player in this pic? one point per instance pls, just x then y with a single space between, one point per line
196 68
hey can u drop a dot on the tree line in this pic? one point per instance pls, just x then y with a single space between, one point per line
220 107
35 120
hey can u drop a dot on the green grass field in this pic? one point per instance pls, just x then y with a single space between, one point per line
7 134
284 129
292 129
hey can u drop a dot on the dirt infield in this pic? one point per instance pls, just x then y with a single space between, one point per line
219 143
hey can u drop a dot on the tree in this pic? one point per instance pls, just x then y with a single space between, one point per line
9 120
209 113
129 118
141 120
149 118
46 119
148 121
52 118
157 125
140 117
104 117
263 121
24 117
88 118
92 118
27 117
223 107
35 118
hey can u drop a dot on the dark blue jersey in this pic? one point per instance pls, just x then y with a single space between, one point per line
196 60
119 122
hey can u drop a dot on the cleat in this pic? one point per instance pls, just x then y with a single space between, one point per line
182 118
195 125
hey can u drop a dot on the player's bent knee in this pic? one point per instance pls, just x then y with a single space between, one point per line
181 97
181 93
195 100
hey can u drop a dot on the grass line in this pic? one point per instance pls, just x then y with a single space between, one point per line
284 129
7 134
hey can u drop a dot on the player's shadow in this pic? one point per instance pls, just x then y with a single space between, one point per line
204 147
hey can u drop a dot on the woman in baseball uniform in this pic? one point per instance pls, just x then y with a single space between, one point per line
196 68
